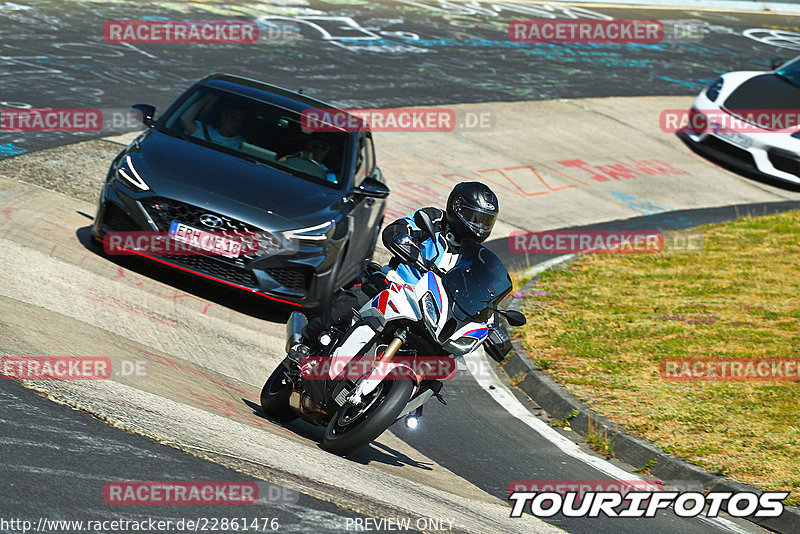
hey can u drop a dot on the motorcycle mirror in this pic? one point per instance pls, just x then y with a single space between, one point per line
514 318
424 223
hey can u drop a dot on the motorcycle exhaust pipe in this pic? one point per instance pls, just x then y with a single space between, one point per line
294 329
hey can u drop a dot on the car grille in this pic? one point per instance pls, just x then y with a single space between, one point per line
733 151
785 161
164 211
118 220
296 278
217 269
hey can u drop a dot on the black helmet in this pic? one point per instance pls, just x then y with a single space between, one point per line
472 210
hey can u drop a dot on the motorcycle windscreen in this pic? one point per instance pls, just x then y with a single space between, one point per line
477 282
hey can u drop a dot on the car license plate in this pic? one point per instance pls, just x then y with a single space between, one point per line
734 138
213 243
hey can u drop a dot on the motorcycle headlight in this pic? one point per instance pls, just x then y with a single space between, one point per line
462 345
320 232
713 90
430 310
128 173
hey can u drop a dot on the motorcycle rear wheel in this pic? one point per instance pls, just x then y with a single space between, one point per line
275 396
355 427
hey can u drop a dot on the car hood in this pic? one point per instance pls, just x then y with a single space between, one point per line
766 91
265 196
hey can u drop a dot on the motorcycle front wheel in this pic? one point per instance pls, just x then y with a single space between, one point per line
354 427
275 396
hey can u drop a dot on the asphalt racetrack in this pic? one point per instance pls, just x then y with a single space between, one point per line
196 415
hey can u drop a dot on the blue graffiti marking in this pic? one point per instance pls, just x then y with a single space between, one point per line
9 149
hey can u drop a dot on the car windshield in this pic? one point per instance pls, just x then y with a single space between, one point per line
791 72
259 132
477 282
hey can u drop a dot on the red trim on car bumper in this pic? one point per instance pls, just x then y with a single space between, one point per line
209 277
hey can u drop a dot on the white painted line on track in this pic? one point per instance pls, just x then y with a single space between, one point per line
483 370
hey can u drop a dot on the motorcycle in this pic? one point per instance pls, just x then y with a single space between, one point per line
436 321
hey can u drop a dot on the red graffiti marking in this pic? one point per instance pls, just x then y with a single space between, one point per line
507 182
182 367
564 175
579 163
225 408
208 304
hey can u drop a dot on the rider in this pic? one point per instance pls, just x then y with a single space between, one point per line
471 212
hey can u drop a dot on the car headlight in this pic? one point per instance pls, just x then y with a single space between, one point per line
319 232
796 135
131 176
713 90
430 310
462 345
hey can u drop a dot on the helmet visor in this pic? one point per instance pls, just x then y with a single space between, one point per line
479 221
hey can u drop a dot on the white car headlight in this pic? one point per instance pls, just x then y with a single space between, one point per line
312 233
131 176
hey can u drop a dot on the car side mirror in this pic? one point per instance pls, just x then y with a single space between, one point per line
372 188
147 111
514 318
424 223
776 62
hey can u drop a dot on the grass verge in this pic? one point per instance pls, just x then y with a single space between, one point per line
605 323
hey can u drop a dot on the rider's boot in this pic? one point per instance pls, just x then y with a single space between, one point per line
295 357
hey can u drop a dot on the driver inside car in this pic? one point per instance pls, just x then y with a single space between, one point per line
231 121
471 212
316 150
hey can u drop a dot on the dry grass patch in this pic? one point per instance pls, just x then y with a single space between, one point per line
605 323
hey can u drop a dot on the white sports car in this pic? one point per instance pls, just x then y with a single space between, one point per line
749 121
